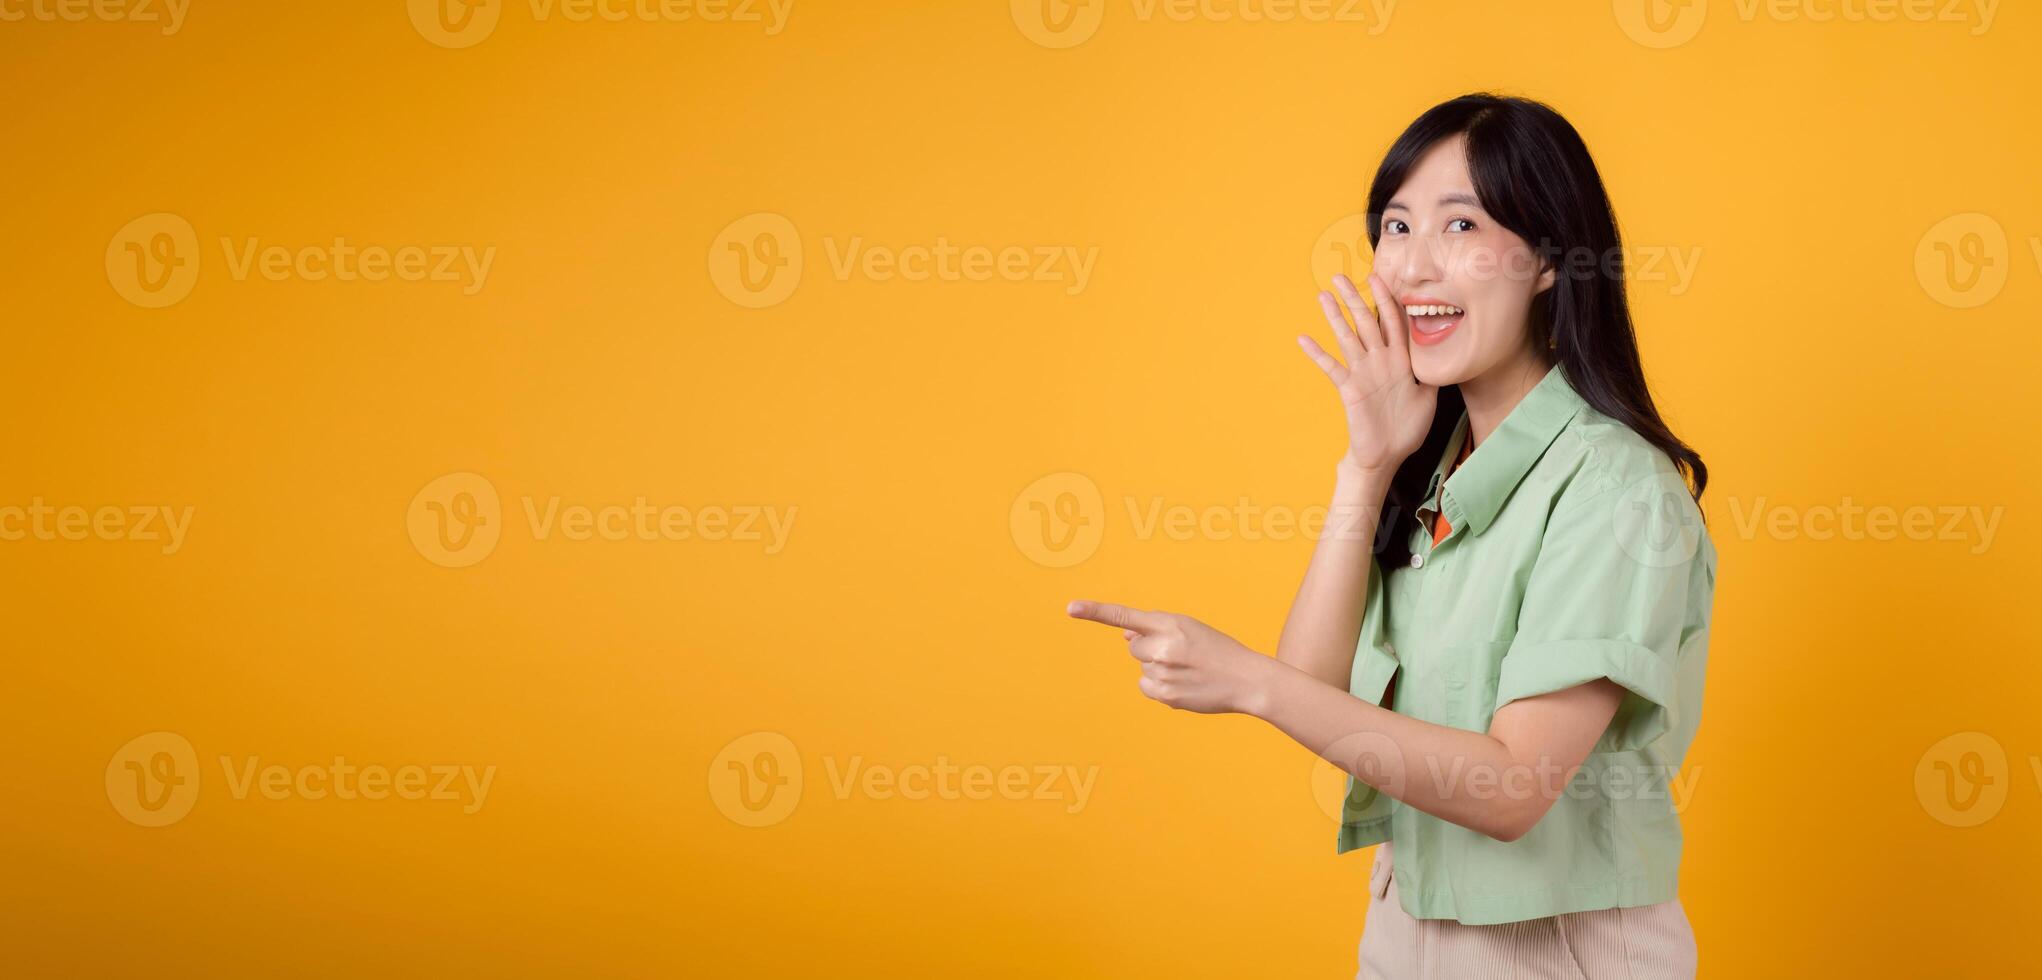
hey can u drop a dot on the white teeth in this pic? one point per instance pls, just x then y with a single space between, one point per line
1433 310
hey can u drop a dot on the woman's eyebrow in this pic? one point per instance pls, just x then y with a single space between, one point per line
1467 199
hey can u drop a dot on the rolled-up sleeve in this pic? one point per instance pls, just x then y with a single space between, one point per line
1606 598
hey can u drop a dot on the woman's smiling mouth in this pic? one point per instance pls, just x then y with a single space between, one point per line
1431 321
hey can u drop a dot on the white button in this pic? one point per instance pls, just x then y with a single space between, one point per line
1417 560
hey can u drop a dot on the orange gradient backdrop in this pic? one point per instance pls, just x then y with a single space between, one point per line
1073 245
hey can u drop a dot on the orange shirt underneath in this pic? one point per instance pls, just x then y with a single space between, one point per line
1440 527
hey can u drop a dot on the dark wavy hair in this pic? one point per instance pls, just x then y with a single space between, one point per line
1534 176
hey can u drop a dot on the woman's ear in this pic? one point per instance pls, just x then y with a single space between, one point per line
1547 276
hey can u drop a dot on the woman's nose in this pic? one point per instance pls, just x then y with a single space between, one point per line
1419 261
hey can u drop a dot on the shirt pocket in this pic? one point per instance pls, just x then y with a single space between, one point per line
1471 670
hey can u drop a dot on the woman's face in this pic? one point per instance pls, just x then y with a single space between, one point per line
1440 249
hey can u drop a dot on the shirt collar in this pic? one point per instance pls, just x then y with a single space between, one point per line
1478 487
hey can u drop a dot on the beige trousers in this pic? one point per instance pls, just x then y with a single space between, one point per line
1651 942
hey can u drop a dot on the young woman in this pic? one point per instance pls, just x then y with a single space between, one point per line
1501 635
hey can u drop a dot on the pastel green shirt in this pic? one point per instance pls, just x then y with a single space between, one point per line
1575 553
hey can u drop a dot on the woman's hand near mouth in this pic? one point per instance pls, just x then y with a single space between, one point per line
1388 409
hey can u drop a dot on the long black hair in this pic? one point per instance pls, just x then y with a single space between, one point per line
1534 176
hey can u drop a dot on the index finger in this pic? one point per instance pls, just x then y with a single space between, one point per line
1111 614
1392 313
1364 321
1351 346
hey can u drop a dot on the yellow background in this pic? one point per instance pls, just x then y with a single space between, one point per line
905 620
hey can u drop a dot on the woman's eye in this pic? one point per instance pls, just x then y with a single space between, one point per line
1460 224
1395 227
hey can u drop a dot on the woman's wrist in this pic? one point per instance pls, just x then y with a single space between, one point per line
1349 471
1274 686
1355 485
1259 697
